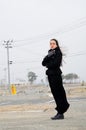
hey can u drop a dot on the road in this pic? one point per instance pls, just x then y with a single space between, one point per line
75 119
33 110
26 99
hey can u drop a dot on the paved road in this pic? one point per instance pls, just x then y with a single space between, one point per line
35 95
75 119
25 99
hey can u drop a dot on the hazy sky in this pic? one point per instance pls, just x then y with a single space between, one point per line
31 24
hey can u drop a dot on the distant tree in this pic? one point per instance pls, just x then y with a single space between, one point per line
47 83
70 77
63 77
42 81
75 76
83 83
32 77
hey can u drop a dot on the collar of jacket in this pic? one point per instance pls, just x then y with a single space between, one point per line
56 49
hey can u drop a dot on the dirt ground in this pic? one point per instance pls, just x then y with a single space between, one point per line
39 119
37 116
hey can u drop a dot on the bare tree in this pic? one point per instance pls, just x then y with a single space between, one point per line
32 77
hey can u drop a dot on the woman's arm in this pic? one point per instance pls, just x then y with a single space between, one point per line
56 62
45 60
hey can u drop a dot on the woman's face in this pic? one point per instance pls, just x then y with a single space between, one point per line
53 44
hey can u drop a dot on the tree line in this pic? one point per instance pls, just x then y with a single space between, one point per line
68 78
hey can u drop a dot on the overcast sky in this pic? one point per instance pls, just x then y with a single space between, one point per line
31 24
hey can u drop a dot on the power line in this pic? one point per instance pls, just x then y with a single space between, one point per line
79 21
72 55
67 28
20 62
47 35
29 50
37 61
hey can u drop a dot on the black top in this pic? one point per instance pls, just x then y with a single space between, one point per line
53 61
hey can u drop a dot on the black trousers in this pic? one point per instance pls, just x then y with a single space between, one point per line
57 89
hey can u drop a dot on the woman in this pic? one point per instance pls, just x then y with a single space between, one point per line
53 62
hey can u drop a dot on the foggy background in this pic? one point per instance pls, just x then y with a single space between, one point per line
31 24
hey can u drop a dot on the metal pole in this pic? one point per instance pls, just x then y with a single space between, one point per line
7 46
5 76
8 64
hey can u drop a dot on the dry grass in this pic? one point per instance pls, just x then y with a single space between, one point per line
43 107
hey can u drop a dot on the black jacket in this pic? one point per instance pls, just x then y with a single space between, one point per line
53 61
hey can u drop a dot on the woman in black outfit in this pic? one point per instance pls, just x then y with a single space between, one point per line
53 62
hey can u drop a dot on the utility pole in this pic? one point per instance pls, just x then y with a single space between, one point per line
5 77
8 45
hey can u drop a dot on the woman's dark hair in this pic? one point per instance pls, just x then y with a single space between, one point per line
58 47
57 43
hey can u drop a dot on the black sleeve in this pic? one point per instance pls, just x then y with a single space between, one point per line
45 60
56 62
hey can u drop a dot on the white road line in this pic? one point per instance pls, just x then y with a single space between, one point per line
30 111
5 103
50 101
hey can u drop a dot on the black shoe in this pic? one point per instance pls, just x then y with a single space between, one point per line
58 117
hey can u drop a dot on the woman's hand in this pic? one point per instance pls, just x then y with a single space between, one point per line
51 53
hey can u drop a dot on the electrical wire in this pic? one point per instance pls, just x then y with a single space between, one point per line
60 31
72 55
